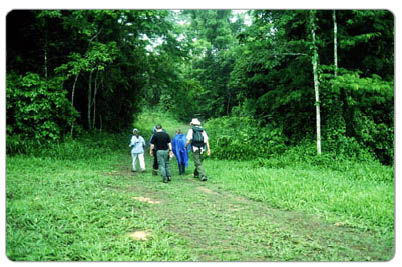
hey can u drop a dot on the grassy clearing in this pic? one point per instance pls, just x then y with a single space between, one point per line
365 204
83 205
68 211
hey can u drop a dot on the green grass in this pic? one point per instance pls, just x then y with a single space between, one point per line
80 206
67 211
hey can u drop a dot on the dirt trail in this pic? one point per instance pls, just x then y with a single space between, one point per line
222 226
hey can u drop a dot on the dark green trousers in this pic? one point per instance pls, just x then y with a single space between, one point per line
198 158
163 163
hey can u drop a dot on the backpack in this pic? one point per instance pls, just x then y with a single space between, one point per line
198 137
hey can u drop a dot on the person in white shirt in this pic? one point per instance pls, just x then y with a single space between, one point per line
198 138
137 144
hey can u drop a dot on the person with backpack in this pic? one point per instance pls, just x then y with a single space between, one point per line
137 144
181 154
198 138
160 143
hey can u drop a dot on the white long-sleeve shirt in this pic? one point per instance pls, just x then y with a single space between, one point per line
137 144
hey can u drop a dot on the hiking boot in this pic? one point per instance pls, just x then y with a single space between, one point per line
133 170
154 172
165 180
204 179
169 178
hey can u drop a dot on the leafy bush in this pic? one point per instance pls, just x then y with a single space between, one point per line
359 114
38 111
242 138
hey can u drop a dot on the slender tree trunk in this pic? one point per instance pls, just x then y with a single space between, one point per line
89 100
72 99
316 81
346 114
100 123
228 104
94 99
45 53
335 43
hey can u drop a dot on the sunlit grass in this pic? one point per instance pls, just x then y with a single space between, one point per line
79 202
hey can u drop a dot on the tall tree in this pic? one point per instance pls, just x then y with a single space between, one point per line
335 43
314 60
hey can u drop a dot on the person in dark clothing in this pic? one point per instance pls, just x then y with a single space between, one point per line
155 163
163 148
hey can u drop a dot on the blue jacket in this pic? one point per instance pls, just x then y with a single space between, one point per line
178 143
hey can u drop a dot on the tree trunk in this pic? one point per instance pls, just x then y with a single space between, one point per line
45 54
335 43
94 100
346 114
100 123
228 103
89 100
72 99
316 81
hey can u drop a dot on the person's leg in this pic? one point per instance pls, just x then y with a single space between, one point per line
167 165
179 165
134 160
142 161
155 165
183 168
198 169
161 163
201 170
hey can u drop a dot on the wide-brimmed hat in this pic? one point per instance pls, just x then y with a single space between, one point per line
135 130
195 121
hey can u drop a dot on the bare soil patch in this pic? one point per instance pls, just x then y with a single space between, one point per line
147 200
206 190
139 235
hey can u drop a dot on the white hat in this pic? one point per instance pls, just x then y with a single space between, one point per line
195 121
135 130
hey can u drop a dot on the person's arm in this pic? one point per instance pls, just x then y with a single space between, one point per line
189 136
174 145
206 138
187 142
170 149
151 149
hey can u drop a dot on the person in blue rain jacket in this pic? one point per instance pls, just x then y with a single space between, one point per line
181 154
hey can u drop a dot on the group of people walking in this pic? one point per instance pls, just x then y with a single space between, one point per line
162 148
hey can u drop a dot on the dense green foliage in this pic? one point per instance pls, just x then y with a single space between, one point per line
78 81
37 111
239 137
274 75
99 68
98 57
